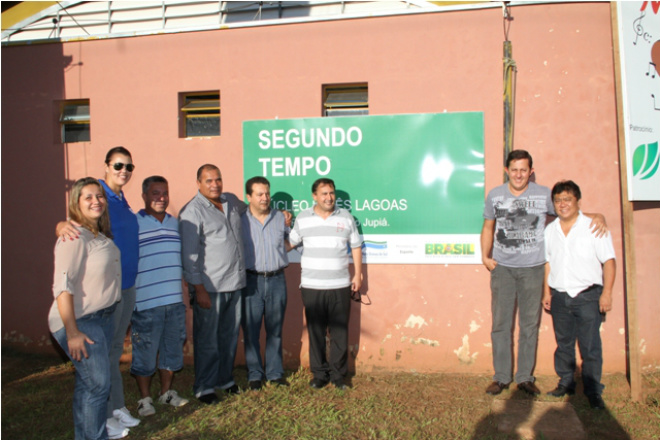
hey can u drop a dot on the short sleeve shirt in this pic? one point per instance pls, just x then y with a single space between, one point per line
519 224
576 259
326 247
89 269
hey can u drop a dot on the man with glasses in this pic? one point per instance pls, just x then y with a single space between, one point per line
580 273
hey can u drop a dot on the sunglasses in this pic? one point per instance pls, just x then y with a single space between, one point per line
118 166
357 297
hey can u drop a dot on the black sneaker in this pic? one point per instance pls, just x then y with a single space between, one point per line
318 383
596 402
339 384
281 382
255 385
561 391
234 389
209 399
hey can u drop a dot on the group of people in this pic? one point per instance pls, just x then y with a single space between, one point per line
115 268
567 267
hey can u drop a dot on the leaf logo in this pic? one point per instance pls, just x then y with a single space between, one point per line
645 161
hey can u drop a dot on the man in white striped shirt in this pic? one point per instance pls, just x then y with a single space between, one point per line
326 233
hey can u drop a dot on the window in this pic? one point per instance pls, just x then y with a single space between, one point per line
200 114
74 121
345 100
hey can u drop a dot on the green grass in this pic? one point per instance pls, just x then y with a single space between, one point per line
37 392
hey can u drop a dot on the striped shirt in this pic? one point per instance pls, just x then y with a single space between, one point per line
264 244
159 275
326 247
212 243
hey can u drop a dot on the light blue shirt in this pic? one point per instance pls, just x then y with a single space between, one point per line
159 266
212 243
264 244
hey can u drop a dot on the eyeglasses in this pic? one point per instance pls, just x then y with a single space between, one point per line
118 166
357 297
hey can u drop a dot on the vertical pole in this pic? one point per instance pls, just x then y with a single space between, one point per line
509 65
629 266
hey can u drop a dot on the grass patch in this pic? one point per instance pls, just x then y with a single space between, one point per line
37 392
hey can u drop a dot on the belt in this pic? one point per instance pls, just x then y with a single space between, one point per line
265 274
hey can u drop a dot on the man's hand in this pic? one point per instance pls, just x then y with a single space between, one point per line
288 217
356 282
598 225
68 230
76 344
202 296
489 263
546 300
605 301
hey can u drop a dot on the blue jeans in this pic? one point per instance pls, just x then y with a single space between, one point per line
510 286
158 336
215 338
92 387
122 319
264 299
578 318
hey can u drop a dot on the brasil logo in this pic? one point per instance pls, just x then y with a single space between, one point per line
645 161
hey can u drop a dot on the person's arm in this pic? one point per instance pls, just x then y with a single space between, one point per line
598 225
547 296
74 337
356 282
202 296
67 229
189 230
609 273
487 237
69 267
288 217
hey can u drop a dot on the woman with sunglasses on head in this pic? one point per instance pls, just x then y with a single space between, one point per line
123 222
87 287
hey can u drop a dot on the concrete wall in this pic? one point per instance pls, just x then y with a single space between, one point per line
423 317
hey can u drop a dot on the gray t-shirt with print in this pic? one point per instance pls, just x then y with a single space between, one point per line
519 224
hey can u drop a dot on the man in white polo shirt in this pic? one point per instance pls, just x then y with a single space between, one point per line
579 275
326 233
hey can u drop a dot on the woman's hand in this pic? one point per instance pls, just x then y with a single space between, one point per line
76 343
67 230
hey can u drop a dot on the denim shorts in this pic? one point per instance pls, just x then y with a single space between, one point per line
158 335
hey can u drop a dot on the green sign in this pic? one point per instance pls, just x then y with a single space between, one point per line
405 178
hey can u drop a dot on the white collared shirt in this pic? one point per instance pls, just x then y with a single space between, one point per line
576 260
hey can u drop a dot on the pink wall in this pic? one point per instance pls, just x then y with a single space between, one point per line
423 318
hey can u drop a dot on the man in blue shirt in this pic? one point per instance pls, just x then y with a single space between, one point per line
264 298
159 320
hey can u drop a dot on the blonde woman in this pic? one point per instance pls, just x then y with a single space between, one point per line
87 287
118 172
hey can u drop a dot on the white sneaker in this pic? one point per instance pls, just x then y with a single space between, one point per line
115 429
172 398
125 418
146 407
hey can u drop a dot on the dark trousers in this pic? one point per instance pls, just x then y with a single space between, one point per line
578 318
327 311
